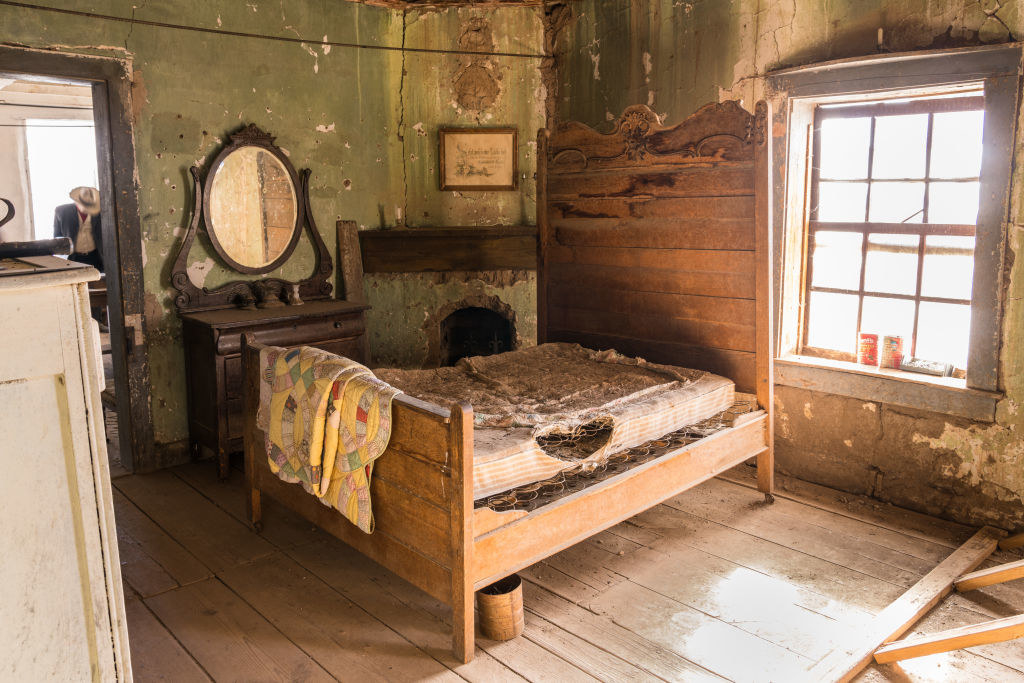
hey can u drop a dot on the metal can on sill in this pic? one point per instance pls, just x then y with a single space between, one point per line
892 352
867 348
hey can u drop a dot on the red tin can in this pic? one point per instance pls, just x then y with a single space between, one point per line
867 348
892 352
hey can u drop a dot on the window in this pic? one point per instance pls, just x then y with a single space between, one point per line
894 197
890 210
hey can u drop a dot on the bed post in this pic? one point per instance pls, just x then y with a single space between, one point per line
460 432
250 436
543 238
764 329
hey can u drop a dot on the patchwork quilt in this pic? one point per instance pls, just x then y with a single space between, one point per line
326 420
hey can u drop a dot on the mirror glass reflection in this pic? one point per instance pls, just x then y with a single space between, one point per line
253 207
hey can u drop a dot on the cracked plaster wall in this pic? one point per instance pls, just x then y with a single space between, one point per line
676 55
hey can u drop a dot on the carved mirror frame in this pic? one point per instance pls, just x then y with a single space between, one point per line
263 291
251 137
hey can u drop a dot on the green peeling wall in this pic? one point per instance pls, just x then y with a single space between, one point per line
676 55
366 129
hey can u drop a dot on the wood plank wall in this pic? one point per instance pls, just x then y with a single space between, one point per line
648 239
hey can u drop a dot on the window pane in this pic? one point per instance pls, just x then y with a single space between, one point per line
836 259
953 203
844 148
891 264
948 267
897 202
893 317
832 321
942 333
900 143
842 202
956 144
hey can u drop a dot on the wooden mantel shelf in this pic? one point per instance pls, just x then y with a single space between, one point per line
413 250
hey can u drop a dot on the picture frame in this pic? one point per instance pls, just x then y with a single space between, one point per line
479 159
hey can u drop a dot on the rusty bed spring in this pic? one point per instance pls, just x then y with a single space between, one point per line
532 496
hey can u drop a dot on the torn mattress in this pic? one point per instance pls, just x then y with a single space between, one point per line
525 401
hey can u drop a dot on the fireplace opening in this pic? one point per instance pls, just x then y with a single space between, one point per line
474 331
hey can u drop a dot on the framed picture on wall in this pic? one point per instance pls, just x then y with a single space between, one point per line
479 159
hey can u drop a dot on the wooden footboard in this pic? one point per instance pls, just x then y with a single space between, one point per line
422 499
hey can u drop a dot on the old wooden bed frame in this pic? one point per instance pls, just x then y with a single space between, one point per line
652 240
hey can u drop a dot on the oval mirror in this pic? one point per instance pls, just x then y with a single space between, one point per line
252 209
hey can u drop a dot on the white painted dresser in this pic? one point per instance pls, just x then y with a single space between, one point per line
61 601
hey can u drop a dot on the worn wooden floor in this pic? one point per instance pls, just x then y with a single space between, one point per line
711 585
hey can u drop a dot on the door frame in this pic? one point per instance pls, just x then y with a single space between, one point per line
122 246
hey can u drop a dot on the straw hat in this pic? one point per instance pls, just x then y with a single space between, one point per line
87 199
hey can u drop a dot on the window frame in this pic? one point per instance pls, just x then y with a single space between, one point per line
796 92
938 103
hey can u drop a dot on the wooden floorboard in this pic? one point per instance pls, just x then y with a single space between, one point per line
347 641
713 585
281 526
152 561
209 533
230 639
332 562
156 654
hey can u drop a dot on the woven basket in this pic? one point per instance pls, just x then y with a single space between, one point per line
501 608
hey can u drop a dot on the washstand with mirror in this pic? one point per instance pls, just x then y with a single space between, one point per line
254 207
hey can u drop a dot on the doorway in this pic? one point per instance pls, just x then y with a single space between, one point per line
47 149
78 107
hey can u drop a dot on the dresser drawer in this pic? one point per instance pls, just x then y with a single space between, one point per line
293 333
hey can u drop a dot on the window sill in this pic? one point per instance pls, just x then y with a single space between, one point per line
945 395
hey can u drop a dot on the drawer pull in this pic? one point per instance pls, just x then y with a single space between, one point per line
337 324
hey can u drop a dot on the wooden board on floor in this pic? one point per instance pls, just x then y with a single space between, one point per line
994 631
990 576
844 663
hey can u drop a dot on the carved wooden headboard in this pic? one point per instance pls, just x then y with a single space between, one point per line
656 241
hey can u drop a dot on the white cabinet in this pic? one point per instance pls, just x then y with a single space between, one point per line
61 601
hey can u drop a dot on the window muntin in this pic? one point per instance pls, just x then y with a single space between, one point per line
894 201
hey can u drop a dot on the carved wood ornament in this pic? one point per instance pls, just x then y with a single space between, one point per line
722 131
266 291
